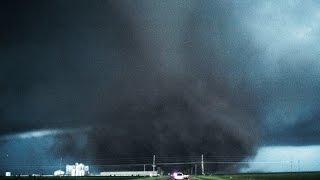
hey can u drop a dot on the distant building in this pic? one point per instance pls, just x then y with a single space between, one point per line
59 173
78 169
8 173
130 173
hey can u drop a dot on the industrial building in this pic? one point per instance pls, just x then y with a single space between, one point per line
130 173
78 169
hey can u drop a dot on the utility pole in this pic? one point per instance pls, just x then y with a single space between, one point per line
60 166
144 167
154 163
195 169
202 164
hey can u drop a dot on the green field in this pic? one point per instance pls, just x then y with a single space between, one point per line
259 176
83 178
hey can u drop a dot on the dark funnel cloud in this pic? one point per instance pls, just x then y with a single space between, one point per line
170 78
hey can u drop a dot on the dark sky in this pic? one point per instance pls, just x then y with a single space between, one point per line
172 78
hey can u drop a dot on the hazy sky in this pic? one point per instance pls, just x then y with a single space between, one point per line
172 78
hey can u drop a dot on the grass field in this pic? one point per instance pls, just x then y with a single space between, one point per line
83 178
259 176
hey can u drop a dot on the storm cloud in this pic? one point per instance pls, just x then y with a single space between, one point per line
171 78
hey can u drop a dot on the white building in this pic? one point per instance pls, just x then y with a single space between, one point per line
78 169
59 173
130 173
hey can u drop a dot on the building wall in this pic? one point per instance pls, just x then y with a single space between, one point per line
130 173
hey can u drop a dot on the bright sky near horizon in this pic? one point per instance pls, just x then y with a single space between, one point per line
285 159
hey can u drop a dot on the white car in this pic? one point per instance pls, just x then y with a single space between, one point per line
178 176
